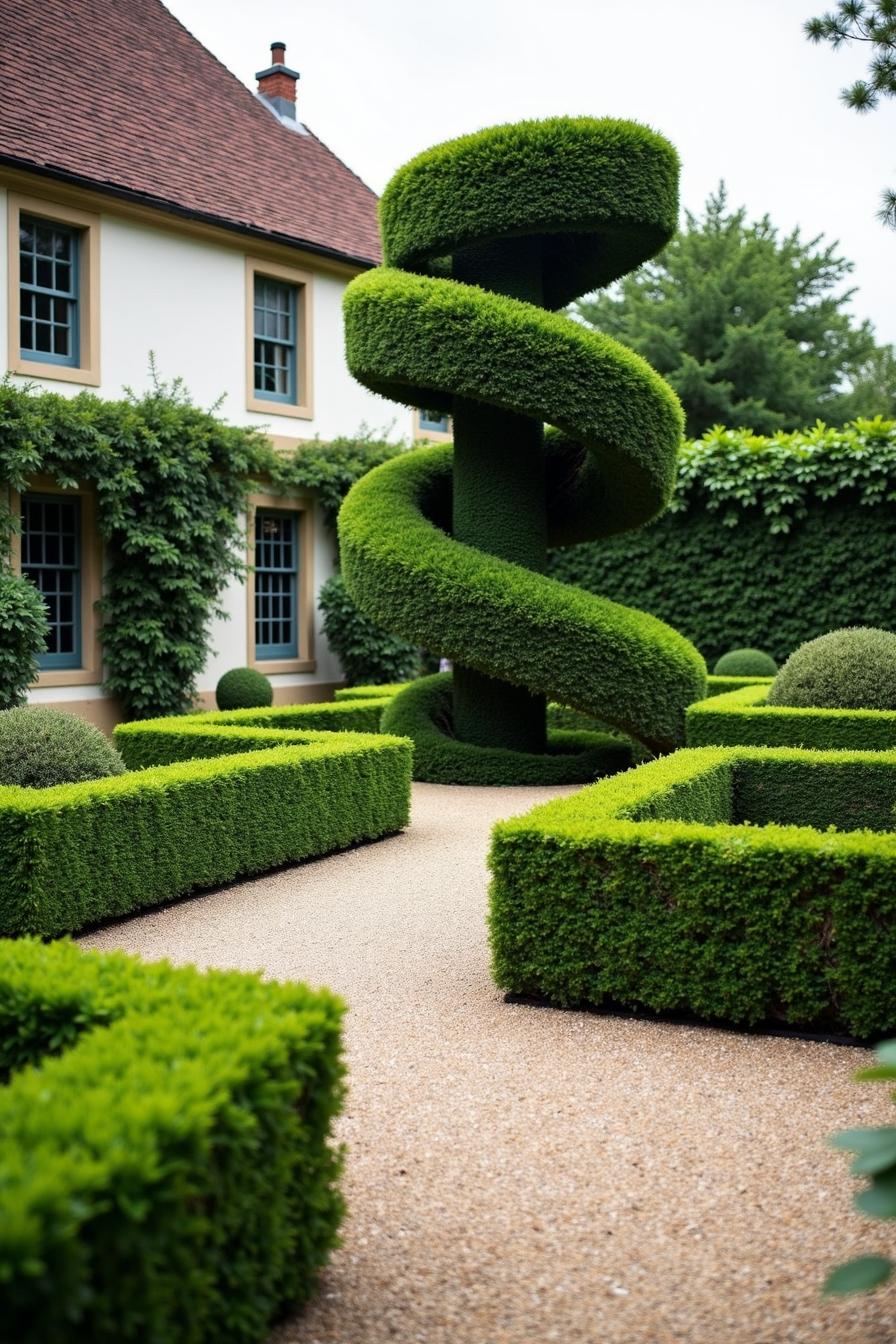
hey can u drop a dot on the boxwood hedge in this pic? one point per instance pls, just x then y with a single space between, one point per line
710 881
166 1170
743 716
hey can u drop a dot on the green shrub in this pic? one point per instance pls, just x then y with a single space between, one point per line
853 668
23 635
744 717
759 545
710 881
383 692
243 688
167 1170
367 653
42 747
745 663
79 853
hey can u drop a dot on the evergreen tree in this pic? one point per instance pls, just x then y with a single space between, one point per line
750 327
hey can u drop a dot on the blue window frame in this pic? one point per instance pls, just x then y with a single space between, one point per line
49 317
276 584
51 559
434 422
275 327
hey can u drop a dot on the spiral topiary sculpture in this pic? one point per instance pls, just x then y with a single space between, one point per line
483 236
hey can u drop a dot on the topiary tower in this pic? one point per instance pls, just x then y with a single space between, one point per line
484 238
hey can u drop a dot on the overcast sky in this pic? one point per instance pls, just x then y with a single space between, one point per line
733 83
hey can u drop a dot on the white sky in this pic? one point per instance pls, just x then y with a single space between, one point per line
733 83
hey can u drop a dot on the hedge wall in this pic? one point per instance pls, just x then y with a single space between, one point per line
769 542
744 717
166 1172
708 881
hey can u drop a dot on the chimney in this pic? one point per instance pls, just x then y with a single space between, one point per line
277 84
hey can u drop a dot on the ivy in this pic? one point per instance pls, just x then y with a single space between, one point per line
330 469
171 483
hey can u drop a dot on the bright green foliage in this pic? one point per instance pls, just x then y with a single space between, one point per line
853 668
750 327
381 692
710 881
167 1171
243 688
745 717
365 650
42 747
445 546
745 663
171 484
767 542
876 1160
23 634
237 800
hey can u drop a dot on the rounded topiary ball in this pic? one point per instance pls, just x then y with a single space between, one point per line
244 688
745 663
42 747
847 669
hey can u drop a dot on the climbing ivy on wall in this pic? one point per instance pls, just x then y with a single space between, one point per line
171 483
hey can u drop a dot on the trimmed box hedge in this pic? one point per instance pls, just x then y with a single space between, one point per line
166 1172
217 801
743 718
710 881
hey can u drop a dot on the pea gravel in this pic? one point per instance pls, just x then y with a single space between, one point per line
525 1175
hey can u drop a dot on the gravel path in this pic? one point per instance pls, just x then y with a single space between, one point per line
520 1174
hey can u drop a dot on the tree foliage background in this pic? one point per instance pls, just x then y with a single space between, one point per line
751 327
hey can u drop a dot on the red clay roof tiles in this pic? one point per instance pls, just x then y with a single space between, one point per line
118 93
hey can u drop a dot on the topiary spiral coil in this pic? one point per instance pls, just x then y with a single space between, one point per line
483 237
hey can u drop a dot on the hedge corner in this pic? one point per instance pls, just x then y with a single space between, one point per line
742 717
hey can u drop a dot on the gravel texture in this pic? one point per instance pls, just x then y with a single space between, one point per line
528 1175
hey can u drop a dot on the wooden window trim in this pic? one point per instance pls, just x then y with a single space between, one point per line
90 673
87 371
302 409
304 506
419 435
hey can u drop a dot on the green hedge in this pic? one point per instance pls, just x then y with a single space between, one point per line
79 853
768 542
167 1172
709 881
743 717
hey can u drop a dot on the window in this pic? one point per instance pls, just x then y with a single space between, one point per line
278 331
432 420
51 559
276 584
54 291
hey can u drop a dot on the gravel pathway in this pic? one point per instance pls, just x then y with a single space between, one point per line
526 1175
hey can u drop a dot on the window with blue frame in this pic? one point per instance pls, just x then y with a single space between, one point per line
48 291
275 328
51 559
276 584
435 422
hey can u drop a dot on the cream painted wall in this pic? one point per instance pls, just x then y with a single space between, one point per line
185 300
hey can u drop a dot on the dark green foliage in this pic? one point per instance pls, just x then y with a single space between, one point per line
243 688
745 717
495 230
760 545
853 668
709 882
749 327
329 469
876 1161
171 484
422 712
367 653
42 747
745 663
23 634
80 853
168 1172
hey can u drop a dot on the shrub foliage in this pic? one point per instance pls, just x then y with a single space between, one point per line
23 633
853 668
41 747
243 688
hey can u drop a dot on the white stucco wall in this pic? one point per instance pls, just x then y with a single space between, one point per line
184 299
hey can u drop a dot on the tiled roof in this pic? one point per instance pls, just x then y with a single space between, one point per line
118 94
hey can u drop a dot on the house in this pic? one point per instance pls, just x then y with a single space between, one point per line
153 203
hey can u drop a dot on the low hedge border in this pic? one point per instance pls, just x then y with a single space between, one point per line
743 718
166 1171
685 885
76 854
